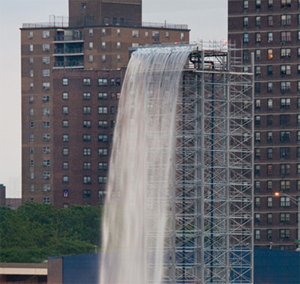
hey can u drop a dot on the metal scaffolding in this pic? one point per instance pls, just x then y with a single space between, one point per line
211 230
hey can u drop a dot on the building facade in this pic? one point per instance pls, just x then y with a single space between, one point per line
271 30
71 82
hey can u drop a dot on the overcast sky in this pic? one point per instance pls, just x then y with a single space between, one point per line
206 19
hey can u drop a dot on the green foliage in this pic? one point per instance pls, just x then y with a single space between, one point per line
35 231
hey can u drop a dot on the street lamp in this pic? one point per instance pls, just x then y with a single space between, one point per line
295 200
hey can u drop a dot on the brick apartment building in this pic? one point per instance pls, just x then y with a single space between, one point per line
71 81
271 30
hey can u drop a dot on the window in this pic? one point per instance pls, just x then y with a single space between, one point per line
135 33
257 218
87 124
45 72
102 151
31 86
65 137
257 21
112 110
285 70
285 136
86 110
257 136
284 233
102 82
46 187
65 165
298 184
270 21
269 202
65 179
65 110
102 96
30 60
257 235
257 87
246 4
257 70
46 60
102 124
86 193
269 218
257 185
118 58
31 47
269 169
46 47
65 123
258 37
86 96
270 54
30 34
46 200
31 164
65 151
257 120
269 153
118 45
285 103
270 37
46 34
31 150
257 202
246 21
269 185
102 138
65 81
46 137
65 95
118 32
91 45
269 232
102 179
87 165
257 170
286 3
285 185
285 52
46 150
103 58
102 110
270 103
258 4
284 152
46 85
91 33
167 34
102 166
285 36
87 179
286 20
257 104
285 119
285 86
246 55
46 175
269 136
86 81
91 58
46 124
284 217
101 194
31 73
257 153
46 111
246 37
86 137
86 151
285 169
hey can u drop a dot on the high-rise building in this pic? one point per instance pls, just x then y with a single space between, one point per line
71 82
271 30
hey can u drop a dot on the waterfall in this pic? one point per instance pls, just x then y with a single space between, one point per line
139 192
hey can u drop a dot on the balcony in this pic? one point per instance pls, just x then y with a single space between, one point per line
68 51
68 64
68 38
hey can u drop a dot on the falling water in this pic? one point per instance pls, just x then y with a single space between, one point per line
141 168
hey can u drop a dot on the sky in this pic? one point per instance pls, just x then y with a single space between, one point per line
206 19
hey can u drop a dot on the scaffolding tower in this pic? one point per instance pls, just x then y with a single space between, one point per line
212 225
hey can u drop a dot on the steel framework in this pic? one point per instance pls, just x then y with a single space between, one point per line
210 235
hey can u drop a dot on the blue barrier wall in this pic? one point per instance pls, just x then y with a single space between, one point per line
270 267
